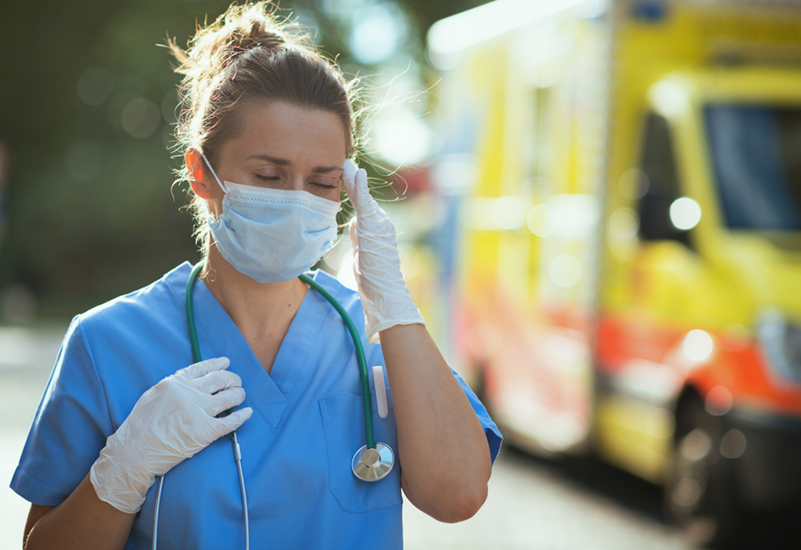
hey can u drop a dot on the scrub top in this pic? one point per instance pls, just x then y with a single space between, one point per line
297 447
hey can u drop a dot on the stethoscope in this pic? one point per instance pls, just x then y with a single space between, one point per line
371 462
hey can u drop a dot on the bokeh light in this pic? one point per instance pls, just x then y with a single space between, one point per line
400 138
140 118
565 270
624 223
698 345
95 85
377 32
633 184
669 98
538 221
718 401
507 213
733 444
685 213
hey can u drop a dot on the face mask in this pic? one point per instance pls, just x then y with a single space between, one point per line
272 235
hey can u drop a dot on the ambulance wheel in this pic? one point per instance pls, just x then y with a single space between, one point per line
699 490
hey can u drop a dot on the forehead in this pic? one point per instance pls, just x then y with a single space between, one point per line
288 131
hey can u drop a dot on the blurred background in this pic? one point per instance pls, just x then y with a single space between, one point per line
599 215
88 107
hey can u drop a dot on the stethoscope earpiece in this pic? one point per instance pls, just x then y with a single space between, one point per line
373 464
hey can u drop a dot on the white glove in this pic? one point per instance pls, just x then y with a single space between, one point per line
383 291
171 422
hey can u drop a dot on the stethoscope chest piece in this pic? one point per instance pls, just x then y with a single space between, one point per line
373 464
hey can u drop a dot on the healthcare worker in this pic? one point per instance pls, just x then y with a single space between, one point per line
130 420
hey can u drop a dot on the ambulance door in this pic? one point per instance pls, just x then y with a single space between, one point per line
653 287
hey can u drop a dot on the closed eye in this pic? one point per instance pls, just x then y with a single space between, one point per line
323 185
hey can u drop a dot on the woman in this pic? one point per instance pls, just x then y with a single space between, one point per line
267 129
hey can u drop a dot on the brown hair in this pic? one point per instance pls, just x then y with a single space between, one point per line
249 52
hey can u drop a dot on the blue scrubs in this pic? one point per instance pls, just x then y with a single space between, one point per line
297 447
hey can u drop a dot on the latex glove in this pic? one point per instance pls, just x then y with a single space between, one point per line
171 422
383 291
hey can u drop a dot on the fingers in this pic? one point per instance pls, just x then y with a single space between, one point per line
204 367
349 169
226 399
355 181
361 183
353 232
216 381
348 178
234 420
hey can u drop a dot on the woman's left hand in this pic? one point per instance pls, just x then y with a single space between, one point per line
383 291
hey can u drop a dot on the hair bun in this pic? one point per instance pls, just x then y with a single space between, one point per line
247 35
240 29
254 37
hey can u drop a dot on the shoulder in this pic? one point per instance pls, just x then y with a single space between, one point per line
345 296
129 343
348 297
147 301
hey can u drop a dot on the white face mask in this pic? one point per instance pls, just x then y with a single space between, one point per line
272 235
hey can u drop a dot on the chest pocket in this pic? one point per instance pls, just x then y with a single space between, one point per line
343 422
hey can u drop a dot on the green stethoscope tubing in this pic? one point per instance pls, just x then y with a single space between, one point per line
357 341
190 312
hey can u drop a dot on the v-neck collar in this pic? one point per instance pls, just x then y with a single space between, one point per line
219 336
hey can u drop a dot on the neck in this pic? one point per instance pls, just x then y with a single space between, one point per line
262 312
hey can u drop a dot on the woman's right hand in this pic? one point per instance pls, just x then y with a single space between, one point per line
172 421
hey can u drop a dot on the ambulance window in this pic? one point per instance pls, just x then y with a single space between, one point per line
659 166
755 153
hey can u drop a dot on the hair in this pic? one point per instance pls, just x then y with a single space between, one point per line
248 53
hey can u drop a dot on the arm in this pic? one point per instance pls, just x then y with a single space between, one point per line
81 521
442 448
443 452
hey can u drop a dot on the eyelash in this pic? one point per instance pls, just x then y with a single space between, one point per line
274 178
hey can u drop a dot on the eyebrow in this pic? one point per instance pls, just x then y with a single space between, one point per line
284 162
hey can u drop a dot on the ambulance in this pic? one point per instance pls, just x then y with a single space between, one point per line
621 249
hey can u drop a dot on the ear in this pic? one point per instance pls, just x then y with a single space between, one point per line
198 174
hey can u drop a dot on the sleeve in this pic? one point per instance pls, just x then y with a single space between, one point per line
69 429
494 437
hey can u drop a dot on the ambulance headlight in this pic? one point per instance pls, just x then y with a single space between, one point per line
780 343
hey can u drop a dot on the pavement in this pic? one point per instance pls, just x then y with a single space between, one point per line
532 504
26 359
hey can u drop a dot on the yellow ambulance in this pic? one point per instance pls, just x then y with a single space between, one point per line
622 257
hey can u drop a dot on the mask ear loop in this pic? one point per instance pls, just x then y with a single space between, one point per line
213 173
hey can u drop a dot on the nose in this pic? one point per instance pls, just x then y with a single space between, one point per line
296 182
